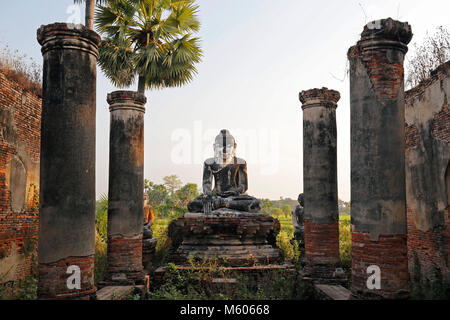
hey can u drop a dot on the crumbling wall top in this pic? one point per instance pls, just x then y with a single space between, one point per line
437 74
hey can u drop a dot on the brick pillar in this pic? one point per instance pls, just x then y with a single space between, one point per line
126 187
321 217
378 159
67 172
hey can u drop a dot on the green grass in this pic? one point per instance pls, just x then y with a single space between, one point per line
345 241
290 252
100 258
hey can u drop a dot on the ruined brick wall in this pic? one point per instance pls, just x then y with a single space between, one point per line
427 127
20 126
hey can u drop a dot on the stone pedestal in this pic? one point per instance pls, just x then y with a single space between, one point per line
321 218
126 185
148 252
226 243
378 159
67 173
231 237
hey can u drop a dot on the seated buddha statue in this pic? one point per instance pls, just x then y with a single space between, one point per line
228 174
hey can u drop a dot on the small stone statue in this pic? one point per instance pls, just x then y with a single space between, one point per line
229 175
297 221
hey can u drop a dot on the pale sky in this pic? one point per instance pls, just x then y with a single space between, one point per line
258 55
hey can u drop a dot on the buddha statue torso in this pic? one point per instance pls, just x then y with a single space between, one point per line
231 178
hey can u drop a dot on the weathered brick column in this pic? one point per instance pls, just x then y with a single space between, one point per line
321 217
126 187
378 159
67 172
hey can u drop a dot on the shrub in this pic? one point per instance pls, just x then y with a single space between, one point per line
21 69
196 283
100 258
345 241
434 51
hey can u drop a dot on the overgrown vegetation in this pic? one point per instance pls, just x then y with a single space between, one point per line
169 201
101 236
22 289
198 283
434 51
345 242
21 69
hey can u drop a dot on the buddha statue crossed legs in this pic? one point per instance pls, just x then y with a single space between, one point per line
229 175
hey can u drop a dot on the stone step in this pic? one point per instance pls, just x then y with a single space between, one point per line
119 292
224 280
332 292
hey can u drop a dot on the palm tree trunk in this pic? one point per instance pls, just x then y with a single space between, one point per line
90 6
141 84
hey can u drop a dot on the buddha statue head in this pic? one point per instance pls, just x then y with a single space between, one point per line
224 148
301 199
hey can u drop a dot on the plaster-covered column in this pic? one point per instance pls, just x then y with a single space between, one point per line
378 160
126 187
321 219
67 174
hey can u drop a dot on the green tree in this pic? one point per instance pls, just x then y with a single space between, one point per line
89 13
185 194
276 212
172 183
266 206
157 193
287 210
152 39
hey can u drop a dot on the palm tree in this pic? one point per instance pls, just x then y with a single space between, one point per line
89 15
152 39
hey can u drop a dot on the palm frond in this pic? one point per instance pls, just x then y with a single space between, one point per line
117 61
96 1
153 38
